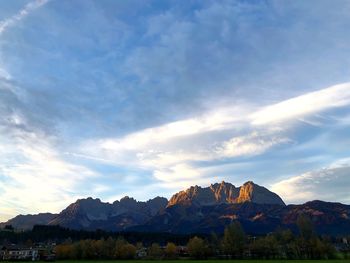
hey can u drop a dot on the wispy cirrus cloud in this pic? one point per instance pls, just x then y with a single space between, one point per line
11 21
6 23
304 105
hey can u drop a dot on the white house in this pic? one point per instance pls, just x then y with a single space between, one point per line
14 252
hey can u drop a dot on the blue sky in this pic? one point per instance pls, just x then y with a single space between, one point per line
145 98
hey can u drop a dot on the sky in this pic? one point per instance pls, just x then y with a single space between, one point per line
146 98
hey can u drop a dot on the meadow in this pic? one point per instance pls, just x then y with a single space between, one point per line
213 260
207 261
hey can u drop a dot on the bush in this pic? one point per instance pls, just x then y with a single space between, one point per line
197 248
155 252
170 251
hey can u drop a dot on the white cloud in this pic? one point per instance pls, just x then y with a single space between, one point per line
155 154
169 150
176 173
170 160
251 144
313 102
182 176
233 118
327 184
344 162
5 24
174 168
4 74
100 188
34 176
217 120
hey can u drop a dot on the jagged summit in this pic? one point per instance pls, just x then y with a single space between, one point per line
225 193
92 213
252 192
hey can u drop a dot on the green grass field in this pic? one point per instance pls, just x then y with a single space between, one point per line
209 261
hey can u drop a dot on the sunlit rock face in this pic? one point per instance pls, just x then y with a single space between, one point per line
225 193
250 192
214 194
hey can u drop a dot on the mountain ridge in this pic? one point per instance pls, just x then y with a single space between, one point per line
195 210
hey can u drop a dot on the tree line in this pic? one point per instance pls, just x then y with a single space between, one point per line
234 243
112 248
58 234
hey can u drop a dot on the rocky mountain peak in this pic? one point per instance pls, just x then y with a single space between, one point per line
158 200
126 198
88 200
251 192
128 201
225 192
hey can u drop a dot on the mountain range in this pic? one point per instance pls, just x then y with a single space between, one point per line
195 210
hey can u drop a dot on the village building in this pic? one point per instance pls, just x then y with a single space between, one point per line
14 252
